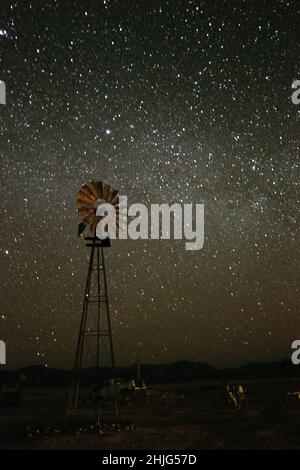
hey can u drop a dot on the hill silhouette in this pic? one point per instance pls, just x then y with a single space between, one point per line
177 372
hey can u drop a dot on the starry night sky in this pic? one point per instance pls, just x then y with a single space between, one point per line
169 101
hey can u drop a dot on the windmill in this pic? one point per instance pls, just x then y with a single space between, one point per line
95 318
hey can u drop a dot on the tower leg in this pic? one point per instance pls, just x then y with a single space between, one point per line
112 355
75 385
101 326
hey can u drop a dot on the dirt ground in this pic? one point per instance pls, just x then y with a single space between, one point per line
166 417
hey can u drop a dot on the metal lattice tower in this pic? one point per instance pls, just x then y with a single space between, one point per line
95 322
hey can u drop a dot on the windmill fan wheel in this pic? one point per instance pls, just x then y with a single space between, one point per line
90 196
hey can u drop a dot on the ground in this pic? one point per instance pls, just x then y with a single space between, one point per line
165 417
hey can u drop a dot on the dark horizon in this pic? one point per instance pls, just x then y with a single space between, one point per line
282 360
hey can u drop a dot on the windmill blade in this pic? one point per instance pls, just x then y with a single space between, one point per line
115 200
83 205
81 228
81 196
112 194
94 224
93 188
89 219
85 189
99 189
106 190
84 212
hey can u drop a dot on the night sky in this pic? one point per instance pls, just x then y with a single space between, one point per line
169 101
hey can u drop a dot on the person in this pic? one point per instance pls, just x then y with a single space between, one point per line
230 394
241 396
236 395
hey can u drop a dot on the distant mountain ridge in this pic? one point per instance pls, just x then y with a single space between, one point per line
176 372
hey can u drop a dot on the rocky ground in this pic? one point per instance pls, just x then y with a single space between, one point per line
172 417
